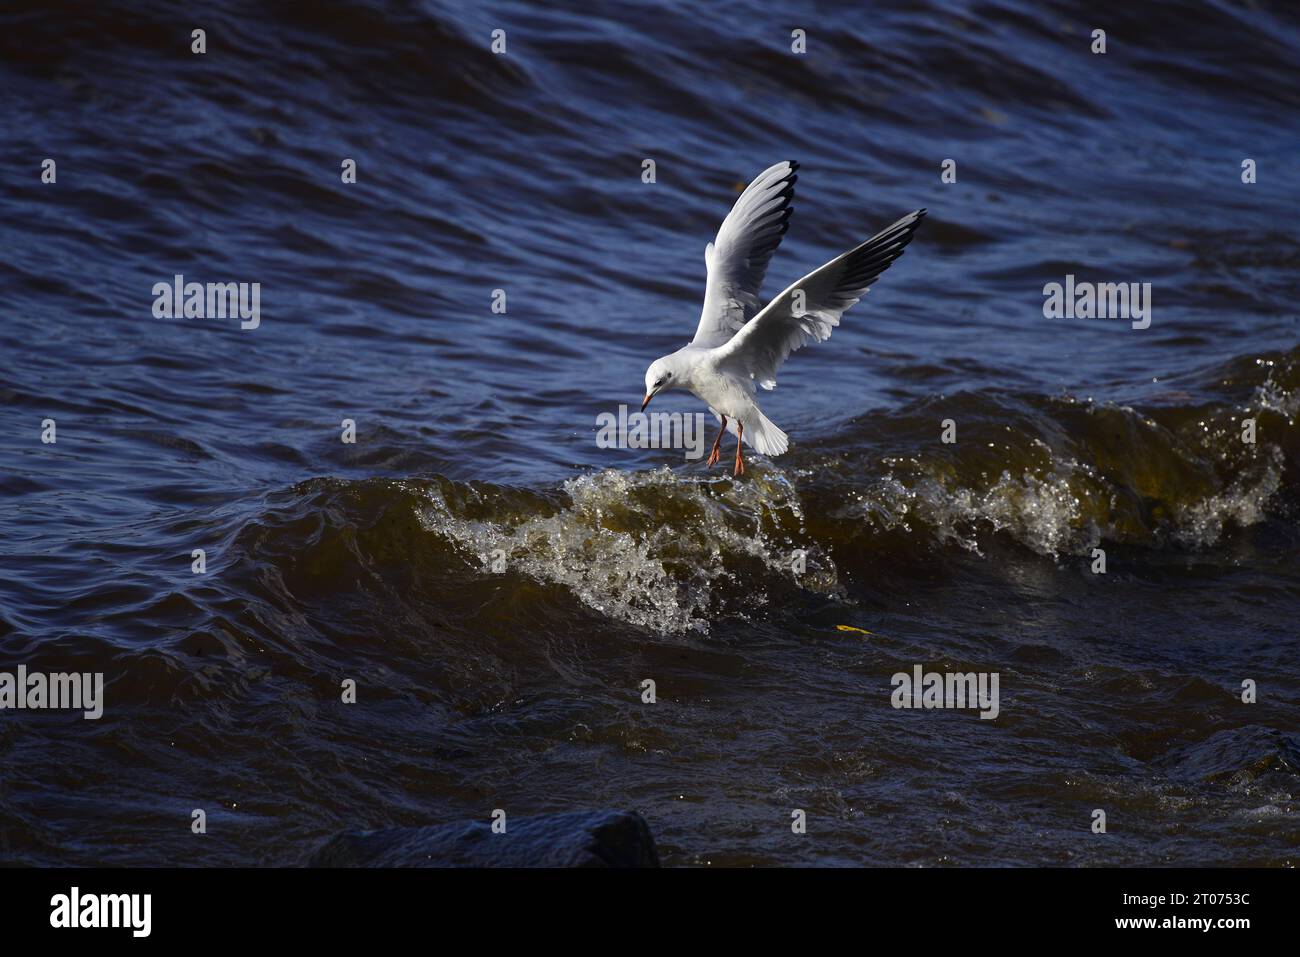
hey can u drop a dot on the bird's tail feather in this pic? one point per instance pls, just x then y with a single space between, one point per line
764 437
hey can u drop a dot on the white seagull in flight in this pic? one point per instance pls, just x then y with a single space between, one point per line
740 343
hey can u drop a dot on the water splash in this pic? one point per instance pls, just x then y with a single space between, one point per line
652 549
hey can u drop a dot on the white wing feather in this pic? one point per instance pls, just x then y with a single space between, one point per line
764 343
737 259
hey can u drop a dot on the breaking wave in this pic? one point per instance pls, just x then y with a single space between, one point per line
670 550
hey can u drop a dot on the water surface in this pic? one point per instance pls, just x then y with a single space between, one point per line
476 431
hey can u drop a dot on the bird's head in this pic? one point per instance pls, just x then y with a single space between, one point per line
662 374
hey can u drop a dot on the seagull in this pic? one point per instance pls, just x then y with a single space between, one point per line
740 343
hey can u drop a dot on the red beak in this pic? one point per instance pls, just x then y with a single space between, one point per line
647 401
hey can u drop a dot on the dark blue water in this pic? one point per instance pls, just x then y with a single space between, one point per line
476 430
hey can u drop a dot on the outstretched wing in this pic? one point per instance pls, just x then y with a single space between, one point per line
738 257
812 307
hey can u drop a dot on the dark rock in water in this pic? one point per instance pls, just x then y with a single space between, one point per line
575 839
1237 755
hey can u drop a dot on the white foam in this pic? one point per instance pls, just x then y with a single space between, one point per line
613 549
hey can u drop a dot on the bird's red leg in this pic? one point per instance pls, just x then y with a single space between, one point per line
717 444
740 435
